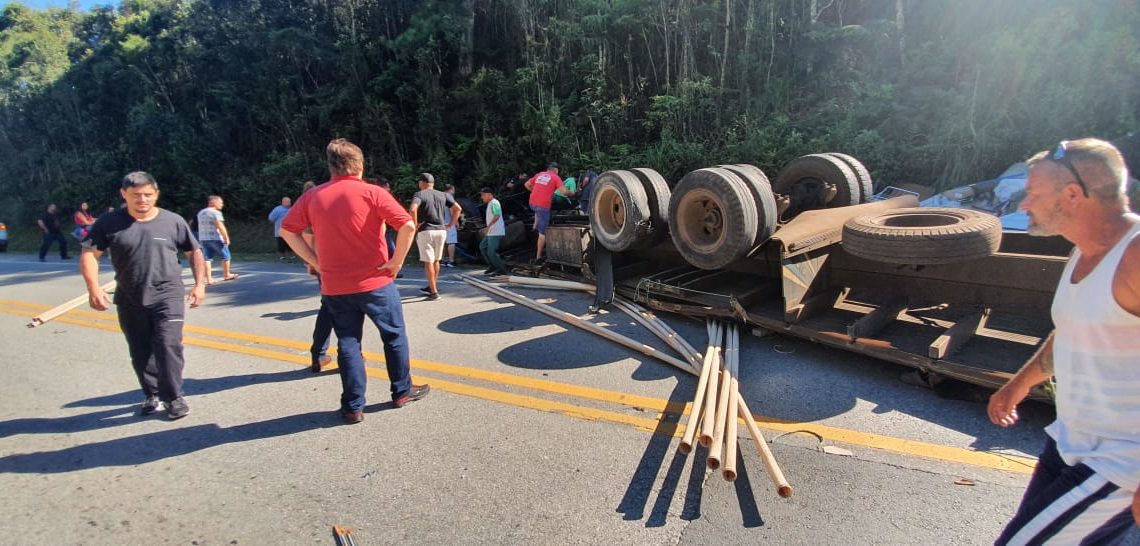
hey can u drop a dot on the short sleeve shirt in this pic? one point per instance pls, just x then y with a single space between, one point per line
276 216
545 184
144 254
208 219
348 217
500 228
432 208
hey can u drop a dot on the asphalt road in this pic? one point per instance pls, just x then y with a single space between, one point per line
535 433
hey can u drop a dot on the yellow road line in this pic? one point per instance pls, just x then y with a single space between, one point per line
923 449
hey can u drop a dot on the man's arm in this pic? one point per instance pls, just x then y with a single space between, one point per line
43 228
403 245
301 247
1003 404
89 269
412 209
225 232
197 294
456 212
1126 282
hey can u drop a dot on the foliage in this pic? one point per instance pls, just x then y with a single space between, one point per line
239 98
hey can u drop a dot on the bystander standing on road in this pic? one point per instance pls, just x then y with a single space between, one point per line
348 217
428 211
150 299
1086 486
49 226
492 234
542 188
323 328
276 216
215 238
83 221
452 230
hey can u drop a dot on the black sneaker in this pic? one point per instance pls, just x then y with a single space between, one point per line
149 406
177 408
418 392
426 290
433 296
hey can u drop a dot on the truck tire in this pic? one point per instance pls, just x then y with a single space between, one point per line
657 190
923 236
866 186
712 218
619 211
762 195
806 181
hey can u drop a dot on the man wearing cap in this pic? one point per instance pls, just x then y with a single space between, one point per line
429 212
493 234
542 187
151 303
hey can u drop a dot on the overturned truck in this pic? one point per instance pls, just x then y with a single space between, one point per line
815 254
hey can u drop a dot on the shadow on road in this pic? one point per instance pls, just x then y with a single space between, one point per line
128 403
193 386
636 498
147 448
291 315
75 423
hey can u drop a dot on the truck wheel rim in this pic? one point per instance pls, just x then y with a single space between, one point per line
611 211
702 221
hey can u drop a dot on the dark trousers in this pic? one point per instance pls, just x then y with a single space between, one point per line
489 249
1055 483
154 337
381 306
50 238
322 333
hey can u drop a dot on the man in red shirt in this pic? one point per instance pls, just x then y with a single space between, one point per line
348 217
542 187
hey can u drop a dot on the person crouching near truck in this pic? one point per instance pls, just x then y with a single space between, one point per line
1086 486
149 297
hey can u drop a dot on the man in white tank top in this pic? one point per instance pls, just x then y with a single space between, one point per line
1084 488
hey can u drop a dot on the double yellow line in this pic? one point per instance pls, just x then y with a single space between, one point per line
264 347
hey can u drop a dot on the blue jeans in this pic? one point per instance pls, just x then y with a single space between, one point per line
382 306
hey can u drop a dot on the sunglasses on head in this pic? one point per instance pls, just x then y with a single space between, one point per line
1059 156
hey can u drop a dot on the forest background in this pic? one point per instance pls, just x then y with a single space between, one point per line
239 97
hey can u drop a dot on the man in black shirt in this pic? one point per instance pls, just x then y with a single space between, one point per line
49 225
145 241
428 212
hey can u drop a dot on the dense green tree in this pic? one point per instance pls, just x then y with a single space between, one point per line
239 97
